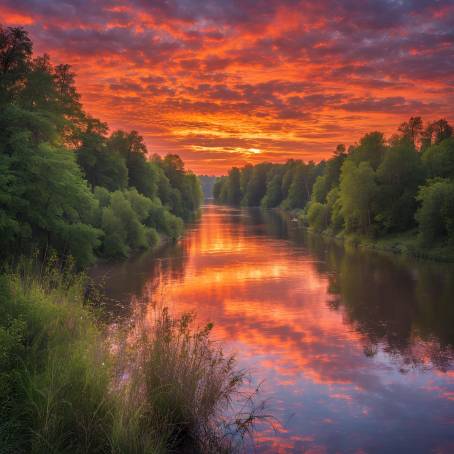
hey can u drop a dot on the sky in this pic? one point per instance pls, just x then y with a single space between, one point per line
227 82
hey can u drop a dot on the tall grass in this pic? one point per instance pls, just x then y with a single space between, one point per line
181 383
68 387
54 367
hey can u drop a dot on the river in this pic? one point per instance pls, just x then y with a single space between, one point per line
355 349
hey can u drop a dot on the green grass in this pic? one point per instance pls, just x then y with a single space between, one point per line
67 387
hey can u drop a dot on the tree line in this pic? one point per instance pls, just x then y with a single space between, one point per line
375 188
68 185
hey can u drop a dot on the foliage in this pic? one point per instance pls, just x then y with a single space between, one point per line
178 189
436 213
65 184
51 354
377 188
63 387
357 192
399 176
187 386
318 216
438 159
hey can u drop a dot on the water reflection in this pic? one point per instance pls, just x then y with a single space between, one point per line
356 348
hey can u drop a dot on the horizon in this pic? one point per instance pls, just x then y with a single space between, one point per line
224 84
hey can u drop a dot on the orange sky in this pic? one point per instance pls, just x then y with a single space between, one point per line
227 82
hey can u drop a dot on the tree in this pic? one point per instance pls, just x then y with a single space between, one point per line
49 201
318 216
51 153
15 55
334 204
299 193
358 190
273 196
412 129
68 102
436 132
234 195
435 216
320 189
439 159
179 190
142 174
256 186
101 166
399 175
371 149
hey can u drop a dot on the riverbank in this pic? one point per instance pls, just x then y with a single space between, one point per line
406 244
68 383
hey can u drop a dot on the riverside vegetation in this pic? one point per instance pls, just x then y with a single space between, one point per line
65 183
395 194
65 386
71 193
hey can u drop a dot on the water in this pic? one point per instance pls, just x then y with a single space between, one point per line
355 348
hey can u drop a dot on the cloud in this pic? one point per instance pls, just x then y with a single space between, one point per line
291 76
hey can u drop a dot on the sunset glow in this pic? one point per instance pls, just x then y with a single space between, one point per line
223 83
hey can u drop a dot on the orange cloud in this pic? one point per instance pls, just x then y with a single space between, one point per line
214 80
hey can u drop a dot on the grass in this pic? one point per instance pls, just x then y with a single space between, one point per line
68 387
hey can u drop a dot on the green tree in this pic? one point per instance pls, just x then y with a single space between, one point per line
179 190
51 153
334 204
371 149
15 58
439 159
234 195
299 194
399 176
412 130
435 133
436 213
142 174
318 216
256 186
101 166
358 190
273 196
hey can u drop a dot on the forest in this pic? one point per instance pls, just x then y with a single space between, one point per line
397 193
69 185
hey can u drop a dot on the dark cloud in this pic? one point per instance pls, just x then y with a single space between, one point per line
390 105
